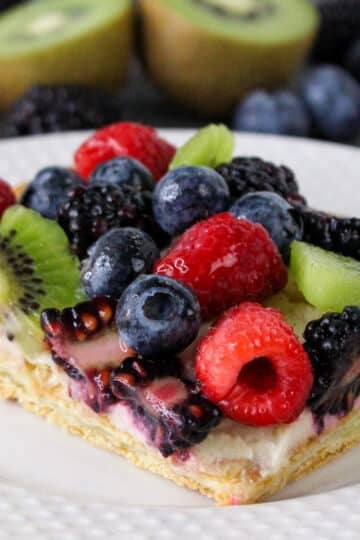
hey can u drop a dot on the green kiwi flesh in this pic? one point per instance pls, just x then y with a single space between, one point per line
328 281
37 271
64 41
210 146
259 21
208 53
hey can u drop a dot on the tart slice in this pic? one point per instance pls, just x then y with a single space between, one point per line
206 365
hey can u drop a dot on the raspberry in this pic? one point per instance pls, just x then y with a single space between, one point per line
253 367
225 261
125 139
7 196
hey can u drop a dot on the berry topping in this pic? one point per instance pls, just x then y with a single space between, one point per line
253 367
115 260
7 196
89 212
225 261
125 139
245 175
173 414
281 220
186 195
45 109
157 315
333 344
341 235
124 171
73 334
85 344
282 112
333 99
49 190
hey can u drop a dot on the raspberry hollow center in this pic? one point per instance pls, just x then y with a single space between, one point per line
259 375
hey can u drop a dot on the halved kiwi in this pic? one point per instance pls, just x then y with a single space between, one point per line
210 146
208 53
63 41
37 271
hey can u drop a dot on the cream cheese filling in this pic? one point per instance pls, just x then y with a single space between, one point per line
264 449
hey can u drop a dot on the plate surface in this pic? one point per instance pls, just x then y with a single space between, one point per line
57 486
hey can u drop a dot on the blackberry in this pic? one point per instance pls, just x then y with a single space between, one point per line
46 109
71 334
174 423
341 235
248 174
90 211
333 344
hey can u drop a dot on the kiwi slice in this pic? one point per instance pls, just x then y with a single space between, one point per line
328 281
63 42
208 53
210 146
37 271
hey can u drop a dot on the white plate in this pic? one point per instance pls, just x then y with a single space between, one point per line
56 486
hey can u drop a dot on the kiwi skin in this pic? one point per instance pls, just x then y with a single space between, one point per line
99 59
211 73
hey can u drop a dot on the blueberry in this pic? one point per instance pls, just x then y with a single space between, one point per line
157 315
333 99
188 194
49 189
115 260
124 171
352 60
281 113
280 219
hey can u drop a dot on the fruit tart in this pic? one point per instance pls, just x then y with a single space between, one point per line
185 309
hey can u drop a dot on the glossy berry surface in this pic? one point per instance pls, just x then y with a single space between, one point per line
282 221
115 260
157 315
248 174
91 211
124 171
282 113
49 190
261 374
188 194
333 345
225 261
7 196
125 139
333 99
170 411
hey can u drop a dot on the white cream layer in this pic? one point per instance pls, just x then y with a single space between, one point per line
265 449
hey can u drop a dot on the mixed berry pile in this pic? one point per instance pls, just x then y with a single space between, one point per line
165 249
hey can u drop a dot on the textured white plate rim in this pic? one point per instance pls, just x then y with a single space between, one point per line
312 507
